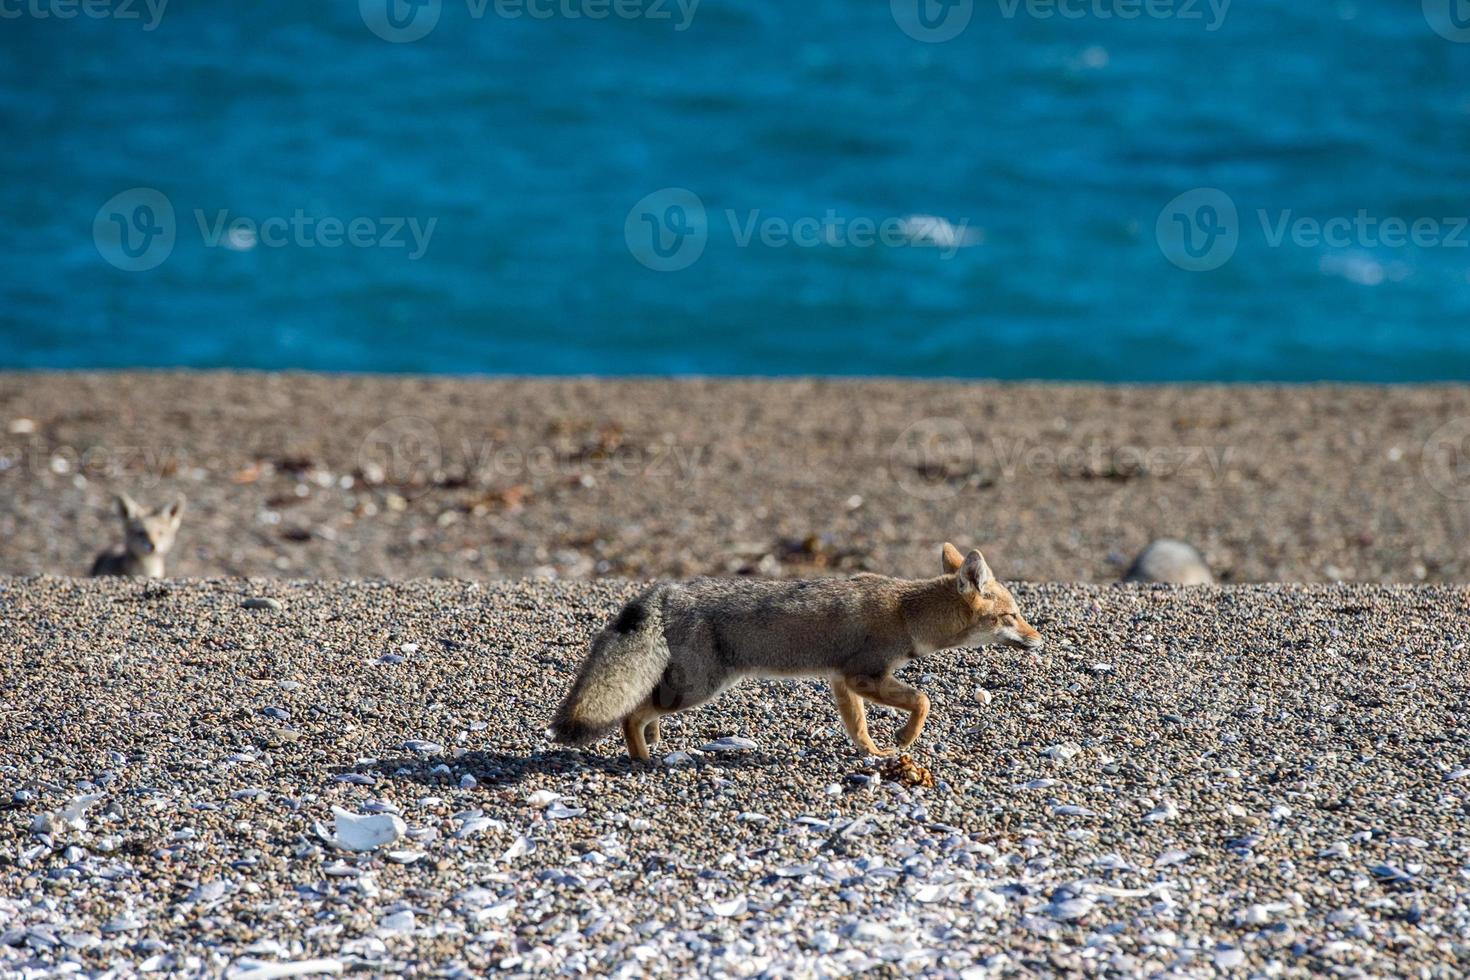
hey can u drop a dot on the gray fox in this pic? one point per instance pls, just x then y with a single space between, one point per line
149 536
677 645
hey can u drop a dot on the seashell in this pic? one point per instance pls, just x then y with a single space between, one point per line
1062 751
521 847
364 832
727 909
730 743
428 748
1171 857
542 798
300 968
1070 810
404 857
1164 811
396 922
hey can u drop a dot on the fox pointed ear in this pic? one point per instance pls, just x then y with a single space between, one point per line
126 508
974 574
174 510
952 558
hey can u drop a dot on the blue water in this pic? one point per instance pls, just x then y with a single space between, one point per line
1052 144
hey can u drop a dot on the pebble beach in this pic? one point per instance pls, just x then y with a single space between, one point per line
269 778
318 746
316 476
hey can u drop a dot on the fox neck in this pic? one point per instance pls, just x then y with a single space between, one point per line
150 565
936 615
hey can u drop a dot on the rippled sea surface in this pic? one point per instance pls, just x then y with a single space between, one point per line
1264 190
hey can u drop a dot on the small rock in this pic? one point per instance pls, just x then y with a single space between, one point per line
1170 561
262 602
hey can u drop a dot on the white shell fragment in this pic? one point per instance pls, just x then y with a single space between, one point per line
730 743
735 906
365 832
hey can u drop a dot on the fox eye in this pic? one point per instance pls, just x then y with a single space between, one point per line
1008 619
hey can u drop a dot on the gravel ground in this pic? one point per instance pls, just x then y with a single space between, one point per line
308 476
1243 779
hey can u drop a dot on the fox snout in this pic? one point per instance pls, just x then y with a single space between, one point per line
1023 635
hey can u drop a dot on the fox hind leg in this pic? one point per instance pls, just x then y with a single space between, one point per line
894 693
854 717
641 729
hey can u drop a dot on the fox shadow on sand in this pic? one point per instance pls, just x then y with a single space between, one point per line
492 768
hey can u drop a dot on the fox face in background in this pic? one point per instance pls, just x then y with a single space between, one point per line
148 536
996 617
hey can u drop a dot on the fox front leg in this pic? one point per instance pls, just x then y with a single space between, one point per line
894 693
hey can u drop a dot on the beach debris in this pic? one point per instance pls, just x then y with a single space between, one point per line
1062 751
1169 561
1072 810
427 748
542 798
732 907
730 743
520 848
366 831
1164 811
905 771
253 970
1171 857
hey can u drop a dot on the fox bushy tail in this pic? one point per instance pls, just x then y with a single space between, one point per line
622 668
